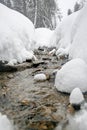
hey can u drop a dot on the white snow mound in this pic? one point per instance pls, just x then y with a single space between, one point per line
76 96
79 45
63 33
43 37
16 35
72 34
5 124
73 74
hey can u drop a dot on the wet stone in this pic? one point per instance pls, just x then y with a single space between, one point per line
38 62
7 68
46 58
10 76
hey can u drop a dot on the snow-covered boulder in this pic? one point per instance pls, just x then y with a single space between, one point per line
43 37
73 74
76 97
5 124
16 35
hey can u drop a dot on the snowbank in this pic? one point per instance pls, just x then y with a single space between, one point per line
73 74
5 124
63 33
16 35
71 35
72 40
42 37
79 45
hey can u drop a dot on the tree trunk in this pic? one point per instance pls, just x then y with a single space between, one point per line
48 21
24 7
35 18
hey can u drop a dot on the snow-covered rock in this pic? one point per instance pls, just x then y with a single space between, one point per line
42 37
16 36
76 97
73 74
5 124
40 77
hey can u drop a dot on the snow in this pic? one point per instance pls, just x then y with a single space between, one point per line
65 5
79 120
16 36
40 77
42 37
71 39
63 52
63 32
5 124
73 74
71 35
76 96
80 38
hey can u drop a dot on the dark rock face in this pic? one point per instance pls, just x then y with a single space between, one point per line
6 68
77 107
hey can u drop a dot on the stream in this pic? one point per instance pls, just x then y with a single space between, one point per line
34 105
